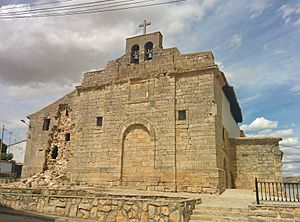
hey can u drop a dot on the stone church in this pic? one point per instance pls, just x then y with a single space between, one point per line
153 119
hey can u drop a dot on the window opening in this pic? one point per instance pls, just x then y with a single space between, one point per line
54 153
148 51
135 57
99 120
46 124
182 115
67 137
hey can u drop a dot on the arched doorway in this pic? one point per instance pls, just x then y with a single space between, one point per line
137 157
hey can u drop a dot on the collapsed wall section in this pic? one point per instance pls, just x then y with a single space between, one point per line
47 134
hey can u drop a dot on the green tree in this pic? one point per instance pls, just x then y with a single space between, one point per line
7 156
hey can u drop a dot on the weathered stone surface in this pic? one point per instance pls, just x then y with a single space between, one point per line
94 213
121 217
175 216
39 206
95 202
73 210
277 212
265 214
60 211
256 158
144 217
152 210
82 213
105 208
165 211
57 202
101 216
111 217
124 209
85 206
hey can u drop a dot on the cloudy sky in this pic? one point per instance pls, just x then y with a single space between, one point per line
256 43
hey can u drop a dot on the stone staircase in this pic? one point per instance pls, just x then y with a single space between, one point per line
232 205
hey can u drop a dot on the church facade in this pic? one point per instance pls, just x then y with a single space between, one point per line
154 119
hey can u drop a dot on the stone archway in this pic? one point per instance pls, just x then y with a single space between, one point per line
137 162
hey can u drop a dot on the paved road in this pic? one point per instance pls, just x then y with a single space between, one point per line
9 215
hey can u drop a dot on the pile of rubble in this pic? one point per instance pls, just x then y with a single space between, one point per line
52 178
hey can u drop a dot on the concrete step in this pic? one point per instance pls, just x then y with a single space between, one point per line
232 205
208 217
219 213
223 219
202 209
220 220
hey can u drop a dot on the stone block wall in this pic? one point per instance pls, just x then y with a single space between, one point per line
256 158
196 167
222 162
282 212
138 125
105 209
153 105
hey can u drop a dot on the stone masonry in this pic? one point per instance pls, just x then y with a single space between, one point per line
154 119
99 206
256 158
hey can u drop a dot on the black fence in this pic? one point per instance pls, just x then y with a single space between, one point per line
276 191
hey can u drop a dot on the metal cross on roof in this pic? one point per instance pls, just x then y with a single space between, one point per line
145 24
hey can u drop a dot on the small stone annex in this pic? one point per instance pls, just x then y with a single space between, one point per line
153 119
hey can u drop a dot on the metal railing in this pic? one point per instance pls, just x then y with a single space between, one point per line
276 191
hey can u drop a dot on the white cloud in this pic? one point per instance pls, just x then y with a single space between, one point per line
235 41
286 11
286 133
295 89
279 51
290 14
297 22
19 101
220 64
265 128
257 7
36 90
291 169
14 8
292 141
288 136
266 46
249 99
260 123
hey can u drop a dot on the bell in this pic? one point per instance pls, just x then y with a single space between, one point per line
150 55
136 57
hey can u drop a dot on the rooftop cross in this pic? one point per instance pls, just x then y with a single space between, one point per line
145 24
